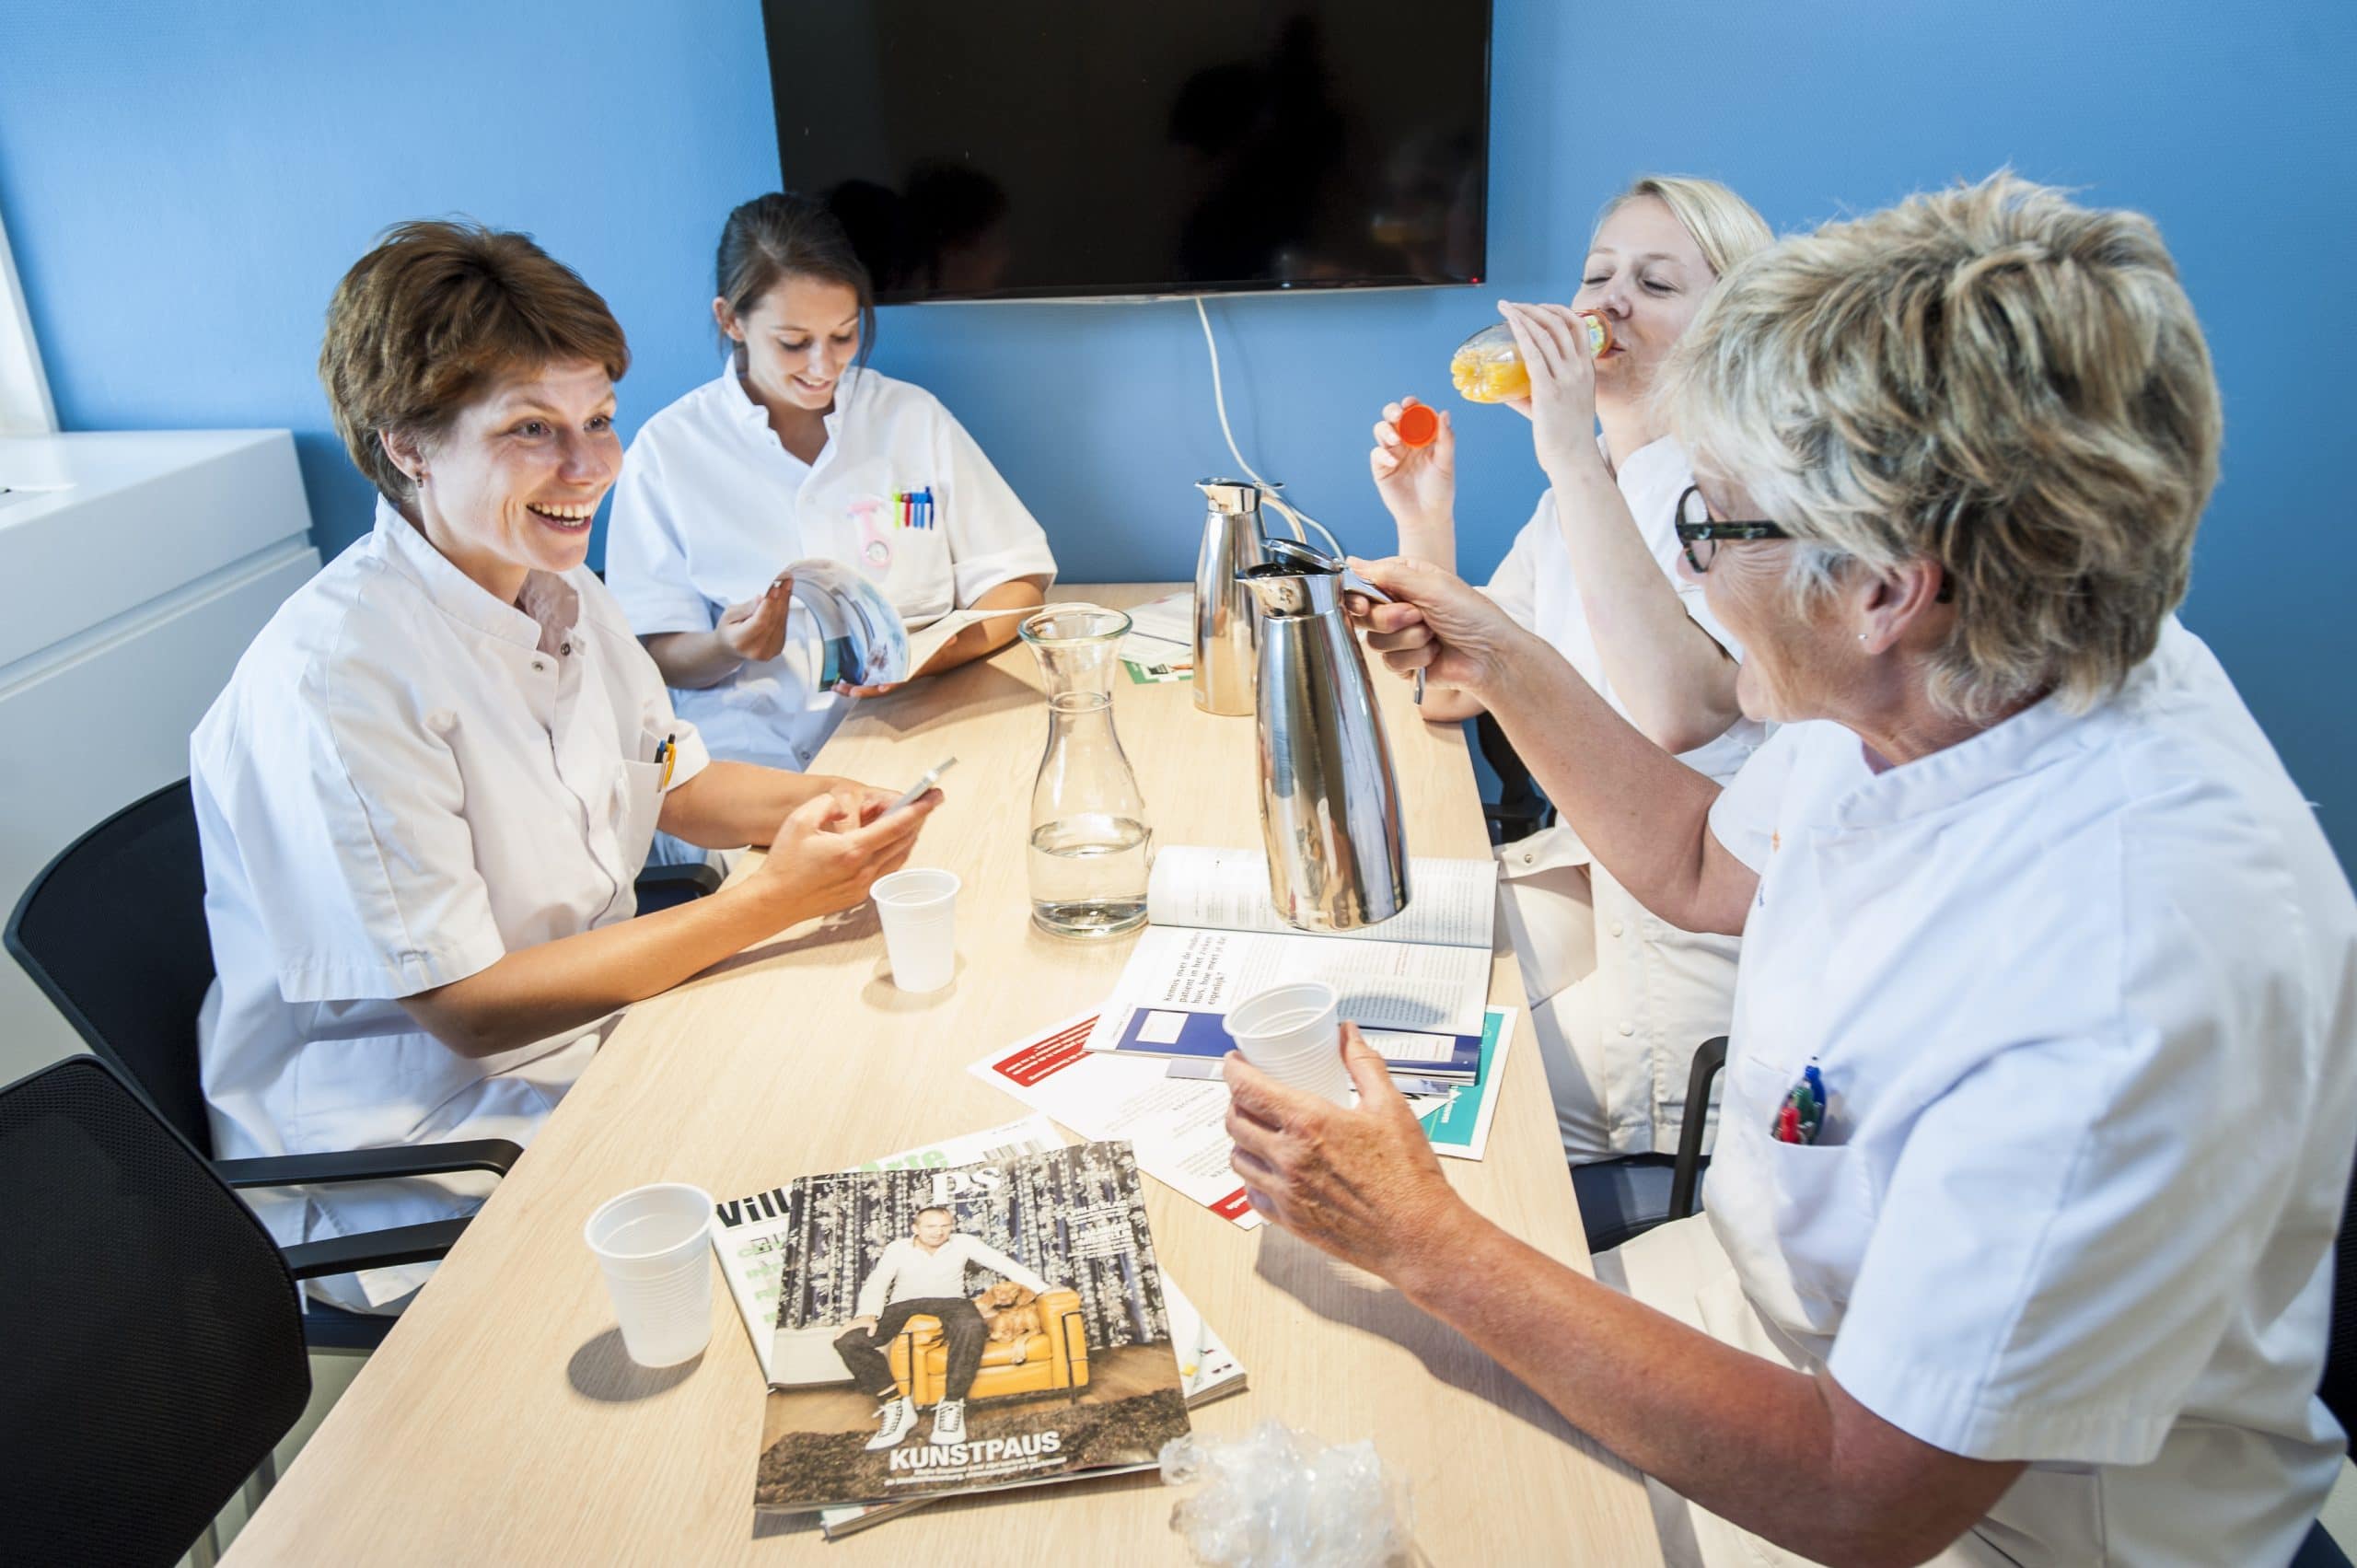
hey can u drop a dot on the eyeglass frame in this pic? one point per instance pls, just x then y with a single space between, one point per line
1691 534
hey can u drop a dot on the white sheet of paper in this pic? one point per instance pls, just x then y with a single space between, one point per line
1179 1126
929 639
1382 984
1451 902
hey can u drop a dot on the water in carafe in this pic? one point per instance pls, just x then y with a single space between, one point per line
1090 849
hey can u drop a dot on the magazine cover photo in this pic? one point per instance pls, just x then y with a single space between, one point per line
942 1331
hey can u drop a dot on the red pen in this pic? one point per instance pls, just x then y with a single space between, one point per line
1788 1125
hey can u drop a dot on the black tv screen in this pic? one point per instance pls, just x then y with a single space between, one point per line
1038 149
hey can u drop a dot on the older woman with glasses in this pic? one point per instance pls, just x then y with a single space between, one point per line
1619 999
2040 1094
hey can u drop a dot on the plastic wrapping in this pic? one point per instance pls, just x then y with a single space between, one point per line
1277 1498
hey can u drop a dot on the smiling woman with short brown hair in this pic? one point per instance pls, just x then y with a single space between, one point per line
429 788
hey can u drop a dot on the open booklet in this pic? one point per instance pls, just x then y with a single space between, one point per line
892 1377
1419 982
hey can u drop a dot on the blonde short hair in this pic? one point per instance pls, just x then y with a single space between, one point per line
1727 228
1991 377
429 319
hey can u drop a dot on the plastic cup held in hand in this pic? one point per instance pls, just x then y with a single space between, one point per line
919 911
1294 1033
653 1244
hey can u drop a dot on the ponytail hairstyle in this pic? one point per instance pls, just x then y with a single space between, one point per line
785 235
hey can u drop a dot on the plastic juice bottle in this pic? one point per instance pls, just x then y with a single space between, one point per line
1488 369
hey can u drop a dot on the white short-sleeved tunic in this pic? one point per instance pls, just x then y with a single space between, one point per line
1620 998
404 781
2082 992
711 507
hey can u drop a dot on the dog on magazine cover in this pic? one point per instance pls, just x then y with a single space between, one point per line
922 1274
1013 1314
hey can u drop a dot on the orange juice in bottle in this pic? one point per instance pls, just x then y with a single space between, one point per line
1488 369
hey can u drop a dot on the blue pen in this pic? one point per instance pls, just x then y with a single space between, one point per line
924 512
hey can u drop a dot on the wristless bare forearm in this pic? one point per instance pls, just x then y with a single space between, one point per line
541 991
986 637
730 803
1643 813
1432 540
691 660
1750 1441
1675 682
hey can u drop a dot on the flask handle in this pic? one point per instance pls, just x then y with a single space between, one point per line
1350 580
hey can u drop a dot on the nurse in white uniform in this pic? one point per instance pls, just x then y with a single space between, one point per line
796 450
2043 1076
1619 997
430 785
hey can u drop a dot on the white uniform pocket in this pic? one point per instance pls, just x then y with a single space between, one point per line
1823 1214
638 803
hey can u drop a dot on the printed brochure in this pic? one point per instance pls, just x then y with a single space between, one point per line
943 1331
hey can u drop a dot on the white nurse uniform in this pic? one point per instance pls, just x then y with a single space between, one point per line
1619 997
404 781
2082 993
711 507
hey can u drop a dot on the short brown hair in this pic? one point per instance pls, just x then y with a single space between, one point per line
785 234
425 322
1991 377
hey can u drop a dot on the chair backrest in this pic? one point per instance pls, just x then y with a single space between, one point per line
113 931
2338 1386
152 1339
1519 810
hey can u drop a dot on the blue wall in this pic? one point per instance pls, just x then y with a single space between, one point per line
183 186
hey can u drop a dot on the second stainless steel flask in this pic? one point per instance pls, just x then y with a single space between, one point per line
1224 616
1330 801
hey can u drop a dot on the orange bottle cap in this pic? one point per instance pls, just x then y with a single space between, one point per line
1418 424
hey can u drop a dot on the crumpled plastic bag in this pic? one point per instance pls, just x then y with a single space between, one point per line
1277 1498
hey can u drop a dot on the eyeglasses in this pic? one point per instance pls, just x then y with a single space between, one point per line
1697 527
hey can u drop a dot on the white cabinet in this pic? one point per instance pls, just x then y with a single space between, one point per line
135 568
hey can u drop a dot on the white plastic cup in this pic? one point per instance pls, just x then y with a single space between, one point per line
918 909
1294 1033
653 1244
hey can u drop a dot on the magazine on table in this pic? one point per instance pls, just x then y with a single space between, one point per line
748 1233
943 1331
1421 981
1208 1370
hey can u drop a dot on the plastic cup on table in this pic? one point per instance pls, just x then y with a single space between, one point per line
918 909
1294 1033
654 1245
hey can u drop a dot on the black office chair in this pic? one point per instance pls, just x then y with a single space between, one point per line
113 933
1519 810
154 1340
1621 1199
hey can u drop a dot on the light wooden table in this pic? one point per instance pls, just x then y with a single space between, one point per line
500 1422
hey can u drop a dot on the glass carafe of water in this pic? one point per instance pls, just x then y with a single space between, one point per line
1090 847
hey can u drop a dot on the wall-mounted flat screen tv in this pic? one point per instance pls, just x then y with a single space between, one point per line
1041 149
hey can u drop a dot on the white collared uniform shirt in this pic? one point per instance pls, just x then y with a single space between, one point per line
711 507
1620 1000
2083 993
404 781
